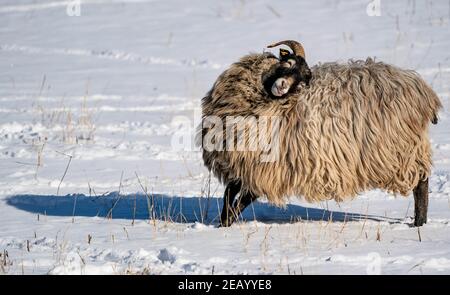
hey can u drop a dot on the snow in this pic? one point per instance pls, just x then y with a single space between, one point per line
113 89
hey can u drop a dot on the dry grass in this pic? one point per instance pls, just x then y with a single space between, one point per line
5 262
75 124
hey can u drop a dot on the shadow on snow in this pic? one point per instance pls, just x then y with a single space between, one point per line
173 208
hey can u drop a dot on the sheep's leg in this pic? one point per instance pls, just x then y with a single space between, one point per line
231 191
421 203
239 206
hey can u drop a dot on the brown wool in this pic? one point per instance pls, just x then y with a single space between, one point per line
358 126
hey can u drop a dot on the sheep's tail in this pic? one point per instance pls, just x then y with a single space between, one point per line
436 105
430 100
435 119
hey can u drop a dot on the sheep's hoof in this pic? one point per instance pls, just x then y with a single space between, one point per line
226 222
420 220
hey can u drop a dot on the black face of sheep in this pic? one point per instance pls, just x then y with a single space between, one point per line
285 76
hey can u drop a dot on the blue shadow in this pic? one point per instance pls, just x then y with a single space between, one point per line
173 208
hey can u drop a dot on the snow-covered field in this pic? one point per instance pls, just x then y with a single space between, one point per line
90 106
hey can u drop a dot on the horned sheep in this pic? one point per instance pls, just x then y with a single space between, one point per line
358 126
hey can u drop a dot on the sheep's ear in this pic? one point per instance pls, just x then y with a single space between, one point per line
284 52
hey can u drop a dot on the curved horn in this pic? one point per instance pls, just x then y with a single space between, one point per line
296 47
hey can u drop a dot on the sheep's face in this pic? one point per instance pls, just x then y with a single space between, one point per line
285 76
282 85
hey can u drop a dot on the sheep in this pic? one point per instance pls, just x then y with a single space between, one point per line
291 72
359 125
